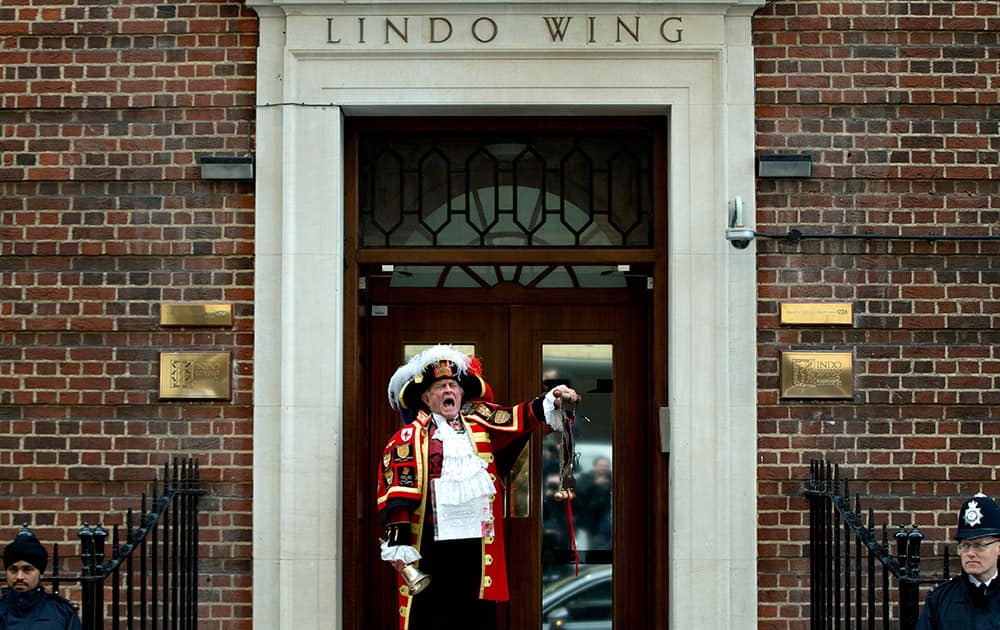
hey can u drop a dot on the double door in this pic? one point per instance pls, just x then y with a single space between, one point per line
585 565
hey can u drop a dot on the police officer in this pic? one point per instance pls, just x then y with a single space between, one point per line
25 604
970 601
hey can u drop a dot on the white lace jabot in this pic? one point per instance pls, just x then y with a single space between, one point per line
463 472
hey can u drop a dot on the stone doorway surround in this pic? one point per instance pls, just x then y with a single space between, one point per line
319 62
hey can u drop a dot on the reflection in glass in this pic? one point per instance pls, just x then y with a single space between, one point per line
532 276
579 601
588 369
412 349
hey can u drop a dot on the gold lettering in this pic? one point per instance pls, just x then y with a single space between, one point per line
210 371
329 32
434 38
402 34
675 37
557 27
493 28
634 32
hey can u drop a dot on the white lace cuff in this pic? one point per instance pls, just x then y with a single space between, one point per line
553 415
406 553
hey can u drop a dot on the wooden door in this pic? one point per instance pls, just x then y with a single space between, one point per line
602 351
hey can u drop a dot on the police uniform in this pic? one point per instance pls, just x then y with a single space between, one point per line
962 603
37 610
468 575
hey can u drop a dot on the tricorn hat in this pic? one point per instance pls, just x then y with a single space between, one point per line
979 516
27 548
412 379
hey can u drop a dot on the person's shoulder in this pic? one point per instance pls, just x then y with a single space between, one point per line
489 414
404 434
60 602
943 589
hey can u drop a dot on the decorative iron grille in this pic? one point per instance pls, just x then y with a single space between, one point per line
473 190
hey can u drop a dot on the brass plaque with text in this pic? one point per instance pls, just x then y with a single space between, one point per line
819 374
205 375
817 313
196 315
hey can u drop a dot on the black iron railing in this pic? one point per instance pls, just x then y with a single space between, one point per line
151 578
855 580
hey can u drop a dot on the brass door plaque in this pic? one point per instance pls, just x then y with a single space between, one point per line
204 375
817 313
196 315
822 374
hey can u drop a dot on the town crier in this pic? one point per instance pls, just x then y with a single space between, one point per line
438 492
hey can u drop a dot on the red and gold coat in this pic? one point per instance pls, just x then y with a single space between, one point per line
402 480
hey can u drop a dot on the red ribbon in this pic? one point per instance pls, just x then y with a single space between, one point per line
572 534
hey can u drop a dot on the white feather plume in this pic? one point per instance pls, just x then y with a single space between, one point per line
418 362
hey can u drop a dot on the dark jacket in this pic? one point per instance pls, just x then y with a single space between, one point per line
958 605
36 610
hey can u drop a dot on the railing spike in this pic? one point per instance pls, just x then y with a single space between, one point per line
913 541
901 548
129 528
86 536
55 564
100 535
115 547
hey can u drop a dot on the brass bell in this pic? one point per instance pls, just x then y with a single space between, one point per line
416 580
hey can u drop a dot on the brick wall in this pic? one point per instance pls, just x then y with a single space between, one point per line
105 109
896 102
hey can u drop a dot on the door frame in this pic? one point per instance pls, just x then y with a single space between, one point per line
534 325
306 87
358 261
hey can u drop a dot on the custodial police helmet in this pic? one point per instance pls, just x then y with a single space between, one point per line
979 516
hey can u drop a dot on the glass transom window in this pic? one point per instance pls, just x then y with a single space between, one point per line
521 190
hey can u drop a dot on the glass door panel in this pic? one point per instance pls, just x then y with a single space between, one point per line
600 352
577 536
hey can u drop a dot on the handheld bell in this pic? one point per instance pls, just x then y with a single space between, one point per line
416 580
